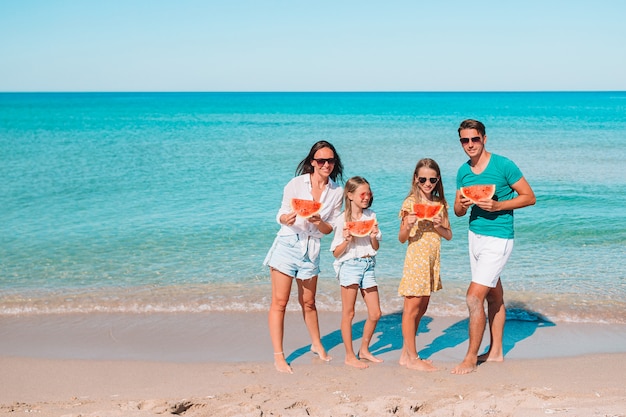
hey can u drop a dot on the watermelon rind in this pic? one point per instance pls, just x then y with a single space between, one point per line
361 228
478 192
419 209
305 208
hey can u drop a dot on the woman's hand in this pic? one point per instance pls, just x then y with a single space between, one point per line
288 219
315 219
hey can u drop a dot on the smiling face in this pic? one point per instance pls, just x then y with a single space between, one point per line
323 162
473 142
361 196
426 181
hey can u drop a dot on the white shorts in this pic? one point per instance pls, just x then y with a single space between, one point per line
488 256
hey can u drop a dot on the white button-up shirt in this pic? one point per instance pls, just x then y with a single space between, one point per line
331 199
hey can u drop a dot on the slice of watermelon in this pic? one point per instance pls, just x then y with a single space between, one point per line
478 192
361 228
426 211
305 208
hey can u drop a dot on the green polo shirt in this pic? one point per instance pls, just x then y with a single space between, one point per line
503 173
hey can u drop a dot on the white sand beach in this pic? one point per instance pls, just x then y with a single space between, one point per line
219 364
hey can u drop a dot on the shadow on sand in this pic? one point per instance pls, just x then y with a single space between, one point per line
521 323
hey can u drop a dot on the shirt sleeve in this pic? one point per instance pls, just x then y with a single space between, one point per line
407 206
512 172
289 191
335 198
338 232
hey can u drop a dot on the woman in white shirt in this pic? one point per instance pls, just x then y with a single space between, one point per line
296 249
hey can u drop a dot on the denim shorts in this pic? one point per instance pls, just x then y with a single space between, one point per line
358 271
286 256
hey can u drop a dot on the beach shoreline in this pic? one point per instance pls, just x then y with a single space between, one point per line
219 364
244 337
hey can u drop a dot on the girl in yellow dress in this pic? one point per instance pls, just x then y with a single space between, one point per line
420 276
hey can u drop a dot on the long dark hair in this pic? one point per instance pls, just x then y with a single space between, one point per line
305 167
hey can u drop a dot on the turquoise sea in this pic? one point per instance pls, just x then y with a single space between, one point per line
165 202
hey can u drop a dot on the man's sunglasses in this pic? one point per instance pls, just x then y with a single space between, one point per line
475 139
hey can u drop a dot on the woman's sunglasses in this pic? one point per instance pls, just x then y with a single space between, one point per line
423 180
322 161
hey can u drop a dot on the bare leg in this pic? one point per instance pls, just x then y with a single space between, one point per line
414 309
370 296
497 318
306 296
476 295
281 287
348 299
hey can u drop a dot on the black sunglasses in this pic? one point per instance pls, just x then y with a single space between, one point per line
322 161
475 139
422 180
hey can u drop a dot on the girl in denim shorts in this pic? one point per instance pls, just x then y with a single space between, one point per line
354 264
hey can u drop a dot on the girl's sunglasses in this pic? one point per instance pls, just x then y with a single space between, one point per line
423 180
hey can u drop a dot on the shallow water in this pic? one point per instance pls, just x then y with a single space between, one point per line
140 202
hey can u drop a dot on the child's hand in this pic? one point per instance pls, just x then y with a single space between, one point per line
347 236
411 219
374 231
437 220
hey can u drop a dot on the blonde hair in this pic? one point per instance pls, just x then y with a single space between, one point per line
438 194
351 185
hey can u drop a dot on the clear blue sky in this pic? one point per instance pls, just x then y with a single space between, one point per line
293 45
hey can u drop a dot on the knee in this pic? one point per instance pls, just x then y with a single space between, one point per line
410 311
348 314
279 304
308 303
374 315
474 303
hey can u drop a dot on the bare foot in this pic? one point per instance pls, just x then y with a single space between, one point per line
281 364
420 365
404 359
322 354
465 367
368 355
354 361
489 357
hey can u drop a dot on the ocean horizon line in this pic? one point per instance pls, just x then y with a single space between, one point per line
314 92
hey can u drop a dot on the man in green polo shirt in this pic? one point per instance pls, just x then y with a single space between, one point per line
490 237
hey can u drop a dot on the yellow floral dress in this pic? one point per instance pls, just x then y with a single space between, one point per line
422 263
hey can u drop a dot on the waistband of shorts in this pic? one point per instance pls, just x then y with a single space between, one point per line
364 259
